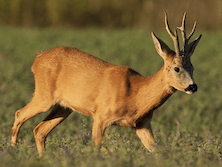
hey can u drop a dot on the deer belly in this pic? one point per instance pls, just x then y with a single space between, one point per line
125 123
85 108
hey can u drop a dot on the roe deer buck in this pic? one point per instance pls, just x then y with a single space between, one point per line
111 94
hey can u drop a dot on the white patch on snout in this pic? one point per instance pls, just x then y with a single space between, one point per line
189 92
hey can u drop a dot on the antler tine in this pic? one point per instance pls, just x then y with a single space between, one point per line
193 30
183 22
172 35
170 32
183 31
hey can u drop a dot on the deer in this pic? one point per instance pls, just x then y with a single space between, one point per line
67 80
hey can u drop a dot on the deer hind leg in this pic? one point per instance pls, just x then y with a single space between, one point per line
57 115
146 136
36 106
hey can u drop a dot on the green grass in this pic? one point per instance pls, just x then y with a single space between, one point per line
188 126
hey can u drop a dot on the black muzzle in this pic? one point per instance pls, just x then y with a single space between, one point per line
192 88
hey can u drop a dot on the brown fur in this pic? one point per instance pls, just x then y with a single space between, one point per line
112 94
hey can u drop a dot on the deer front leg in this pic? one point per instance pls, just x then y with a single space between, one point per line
146 136
97 131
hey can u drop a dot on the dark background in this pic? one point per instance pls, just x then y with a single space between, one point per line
110 13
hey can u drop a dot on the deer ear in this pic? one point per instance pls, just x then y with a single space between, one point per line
162 49
192 45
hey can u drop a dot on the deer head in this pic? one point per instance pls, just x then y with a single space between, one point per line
178 69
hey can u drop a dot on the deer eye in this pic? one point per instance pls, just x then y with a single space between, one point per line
176 69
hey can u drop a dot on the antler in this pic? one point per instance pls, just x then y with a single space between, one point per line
185 39
174 36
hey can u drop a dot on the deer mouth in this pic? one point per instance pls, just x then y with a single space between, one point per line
191 89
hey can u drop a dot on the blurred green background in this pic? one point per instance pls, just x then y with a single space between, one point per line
117 31
109 13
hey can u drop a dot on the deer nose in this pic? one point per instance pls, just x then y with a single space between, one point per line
192 88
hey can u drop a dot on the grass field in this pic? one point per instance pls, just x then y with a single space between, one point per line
188 126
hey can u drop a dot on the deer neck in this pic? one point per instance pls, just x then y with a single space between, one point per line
154 91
